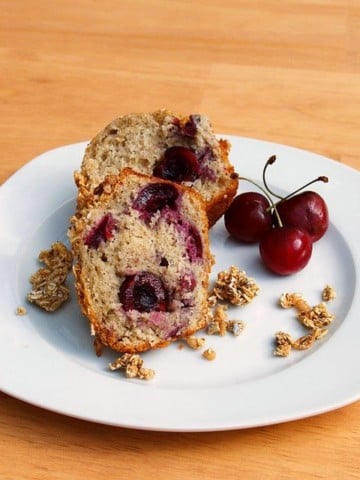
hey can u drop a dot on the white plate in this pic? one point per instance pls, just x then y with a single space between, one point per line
48 359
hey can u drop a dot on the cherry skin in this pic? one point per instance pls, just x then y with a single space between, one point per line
154 197
285 250
308 211
248 217
143 292
101 232
179 164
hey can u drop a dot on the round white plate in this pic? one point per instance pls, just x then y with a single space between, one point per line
48 359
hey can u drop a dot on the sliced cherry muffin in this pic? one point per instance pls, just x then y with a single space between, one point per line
142 262
184 150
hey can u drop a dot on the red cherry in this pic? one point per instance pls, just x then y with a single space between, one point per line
248 217
179 164
285 250
308 211
144 292
154 197
102 231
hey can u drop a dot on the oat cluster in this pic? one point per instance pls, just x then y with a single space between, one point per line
48 283
315 318
235 287
132 364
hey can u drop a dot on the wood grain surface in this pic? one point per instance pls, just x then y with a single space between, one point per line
286 71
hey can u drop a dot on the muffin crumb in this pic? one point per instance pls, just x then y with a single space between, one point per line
209 354
21 311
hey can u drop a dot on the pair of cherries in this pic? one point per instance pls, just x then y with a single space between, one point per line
285 230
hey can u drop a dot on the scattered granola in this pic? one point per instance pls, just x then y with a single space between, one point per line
234 286
219 323
209 354
133 366
195 342
328 293
314 318
235 326
296 300
48 284
283 344
21 311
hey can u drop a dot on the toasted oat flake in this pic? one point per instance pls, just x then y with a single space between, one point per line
328 293
234 286
209 354
133 366
21 311
320 333
304 342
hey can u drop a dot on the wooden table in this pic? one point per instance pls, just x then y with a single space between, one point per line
285 71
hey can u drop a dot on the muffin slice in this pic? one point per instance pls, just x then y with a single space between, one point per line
142 262
183 150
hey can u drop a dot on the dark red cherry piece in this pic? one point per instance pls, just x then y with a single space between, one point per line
306 210
285 250
248 217
191 126
154 197
144 292
194 244
179 164
101 232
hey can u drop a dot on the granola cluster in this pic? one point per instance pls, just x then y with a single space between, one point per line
132 364
315 318
48 283
235 287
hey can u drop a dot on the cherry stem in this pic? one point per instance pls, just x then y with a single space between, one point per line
322 178
266 193
270 161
